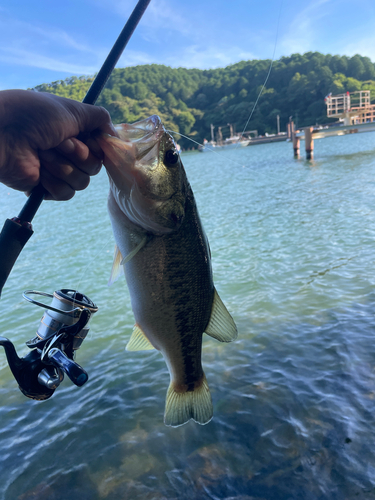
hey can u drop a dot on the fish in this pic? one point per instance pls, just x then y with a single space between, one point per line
164 253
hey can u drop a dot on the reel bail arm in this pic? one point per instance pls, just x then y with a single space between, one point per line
62 329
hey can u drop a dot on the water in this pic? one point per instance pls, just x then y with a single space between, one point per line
294 397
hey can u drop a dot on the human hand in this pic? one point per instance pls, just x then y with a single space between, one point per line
39 144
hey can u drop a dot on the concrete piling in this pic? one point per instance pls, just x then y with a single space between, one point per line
309 143
295 139
296 145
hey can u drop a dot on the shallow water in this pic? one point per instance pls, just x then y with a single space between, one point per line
294 397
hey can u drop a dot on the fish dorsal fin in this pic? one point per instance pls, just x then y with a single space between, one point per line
221 325
138 341
130 255
117 268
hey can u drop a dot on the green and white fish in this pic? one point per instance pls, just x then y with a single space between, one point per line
163 248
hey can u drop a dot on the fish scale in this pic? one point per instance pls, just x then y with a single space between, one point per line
165 254
179 301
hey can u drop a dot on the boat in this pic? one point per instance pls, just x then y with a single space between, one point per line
229 143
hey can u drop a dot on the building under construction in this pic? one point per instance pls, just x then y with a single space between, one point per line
352 108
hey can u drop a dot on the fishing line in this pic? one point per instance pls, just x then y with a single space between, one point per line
105 246
199 144
257 99
269 71
90 336
98 252
219 153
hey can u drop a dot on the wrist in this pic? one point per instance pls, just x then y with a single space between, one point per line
7 97
3 123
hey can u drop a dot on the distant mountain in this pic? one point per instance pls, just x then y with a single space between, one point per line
189 100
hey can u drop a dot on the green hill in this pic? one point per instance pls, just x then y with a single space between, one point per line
189 100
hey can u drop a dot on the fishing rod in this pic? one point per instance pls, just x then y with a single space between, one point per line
64 324
17 231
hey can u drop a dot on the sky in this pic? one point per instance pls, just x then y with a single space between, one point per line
44 41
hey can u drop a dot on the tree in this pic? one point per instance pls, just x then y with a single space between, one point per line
185 121
189 100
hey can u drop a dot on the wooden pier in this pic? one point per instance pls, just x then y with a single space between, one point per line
354 111
282 137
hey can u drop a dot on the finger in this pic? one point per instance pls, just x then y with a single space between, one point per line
91 117
108 128
94 147
63 169
104 121
57 189
87 157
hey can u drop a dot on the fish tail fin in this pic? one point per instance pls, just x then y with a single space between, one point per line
180 406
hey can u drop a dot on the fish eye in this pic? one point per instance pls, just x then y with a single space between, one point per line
171 157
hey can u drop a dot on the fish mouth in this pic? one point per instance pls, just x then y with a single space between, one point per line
145 189
144 134
136 143
147 136
141 130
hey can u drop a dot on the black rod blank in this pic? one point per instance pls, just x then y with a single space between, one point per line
38 193
16 233
116 51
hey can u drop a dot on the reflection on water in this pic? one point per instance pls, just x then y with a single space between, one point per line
294 397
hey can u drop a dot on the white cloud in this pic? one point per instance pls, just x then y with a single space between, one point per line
36 60
203 57
134 58
31 45
37 35
303 30
159 15
364 46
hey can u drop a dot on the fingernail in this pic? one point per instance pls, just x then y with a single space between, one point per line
67 146
97 169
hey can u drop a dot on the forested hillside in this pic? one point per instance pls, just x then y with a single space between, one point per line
189 100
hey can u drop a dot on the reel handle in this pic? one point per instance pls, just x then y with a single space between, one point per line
74 371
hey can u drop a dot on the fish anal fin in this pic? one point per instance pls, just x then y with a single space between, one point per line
180 407
117 268
138 341
221 325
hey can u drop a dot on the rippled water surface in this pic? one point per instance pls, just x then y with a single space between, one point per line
293 246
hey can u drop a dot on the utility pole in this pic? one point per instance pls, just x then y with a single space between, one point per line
219 136
212 133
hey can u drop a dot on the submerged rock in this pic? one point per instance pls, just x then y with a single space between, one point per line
42 491
75 485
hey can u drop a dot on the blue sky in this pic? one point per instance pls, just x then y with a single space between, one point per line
43 41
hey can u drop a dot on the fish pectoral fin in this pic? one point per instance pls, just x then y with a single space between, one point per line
117 268
221 325
138 341
119 261
130 255
180 407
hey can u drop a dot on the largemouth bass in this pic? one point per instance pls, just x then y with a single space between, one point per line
161 244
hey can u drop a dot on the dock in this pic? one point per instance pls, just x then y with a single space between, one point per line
356 115
282 137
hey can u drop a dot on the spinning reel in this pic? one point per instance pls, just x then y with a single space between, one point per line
63 328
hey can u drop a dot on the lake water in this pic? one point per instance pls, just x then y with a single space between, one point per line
293 250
